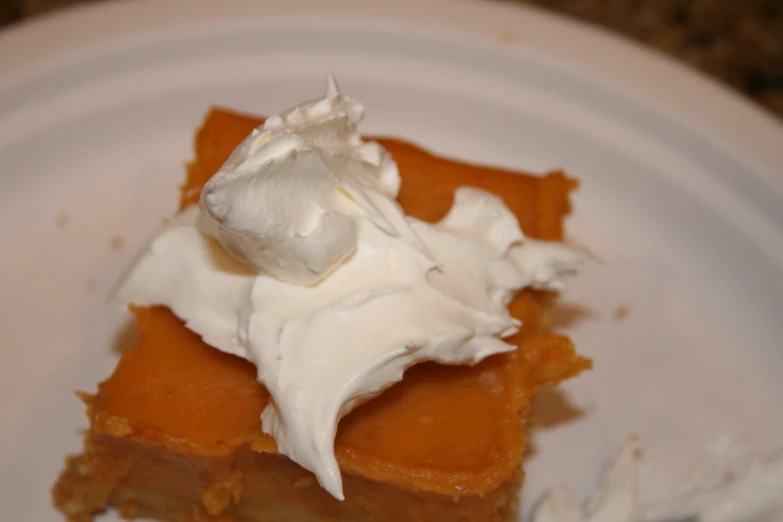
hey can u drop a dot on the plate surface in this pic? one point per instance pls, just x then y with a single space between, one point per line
682 198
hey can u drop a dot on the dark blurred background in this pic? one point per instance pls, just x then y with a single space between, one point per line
738 42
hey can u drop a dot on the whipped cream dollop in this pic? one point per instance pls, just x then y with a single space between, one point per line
731 484
299 259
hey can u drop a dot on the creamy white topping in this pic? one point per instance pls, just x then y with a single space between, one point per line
731 485
299 260
286 202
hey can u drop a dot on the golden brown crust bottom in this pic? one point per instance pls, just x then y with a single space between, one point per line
146 482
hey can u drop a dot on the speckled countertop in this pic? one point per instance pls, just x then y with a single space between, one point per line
739 42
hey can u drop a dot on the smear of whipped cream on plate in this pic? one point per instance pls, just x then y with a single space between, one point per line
731 484
299 259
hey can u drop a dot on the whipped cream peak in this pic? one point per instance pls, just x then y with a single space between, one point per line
300 260
333 103
315 152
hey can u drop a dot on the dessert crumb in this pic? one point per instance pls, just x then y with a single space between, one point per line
507 35
116 242
165 221
62 220
621 312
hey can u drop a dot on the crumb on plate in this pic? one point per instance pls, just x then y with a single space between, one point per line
621 312
116 242
62 220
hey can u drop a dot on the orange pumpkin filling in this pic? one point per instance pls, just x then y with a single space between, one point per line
176 433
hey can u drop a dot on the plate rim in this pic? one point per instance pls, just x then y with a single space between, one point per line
686 94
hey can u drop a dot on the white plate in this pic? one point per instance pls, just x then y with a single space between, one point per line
682 196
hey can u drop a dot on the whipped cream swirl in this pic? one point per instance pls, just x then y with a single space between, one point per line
299 259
